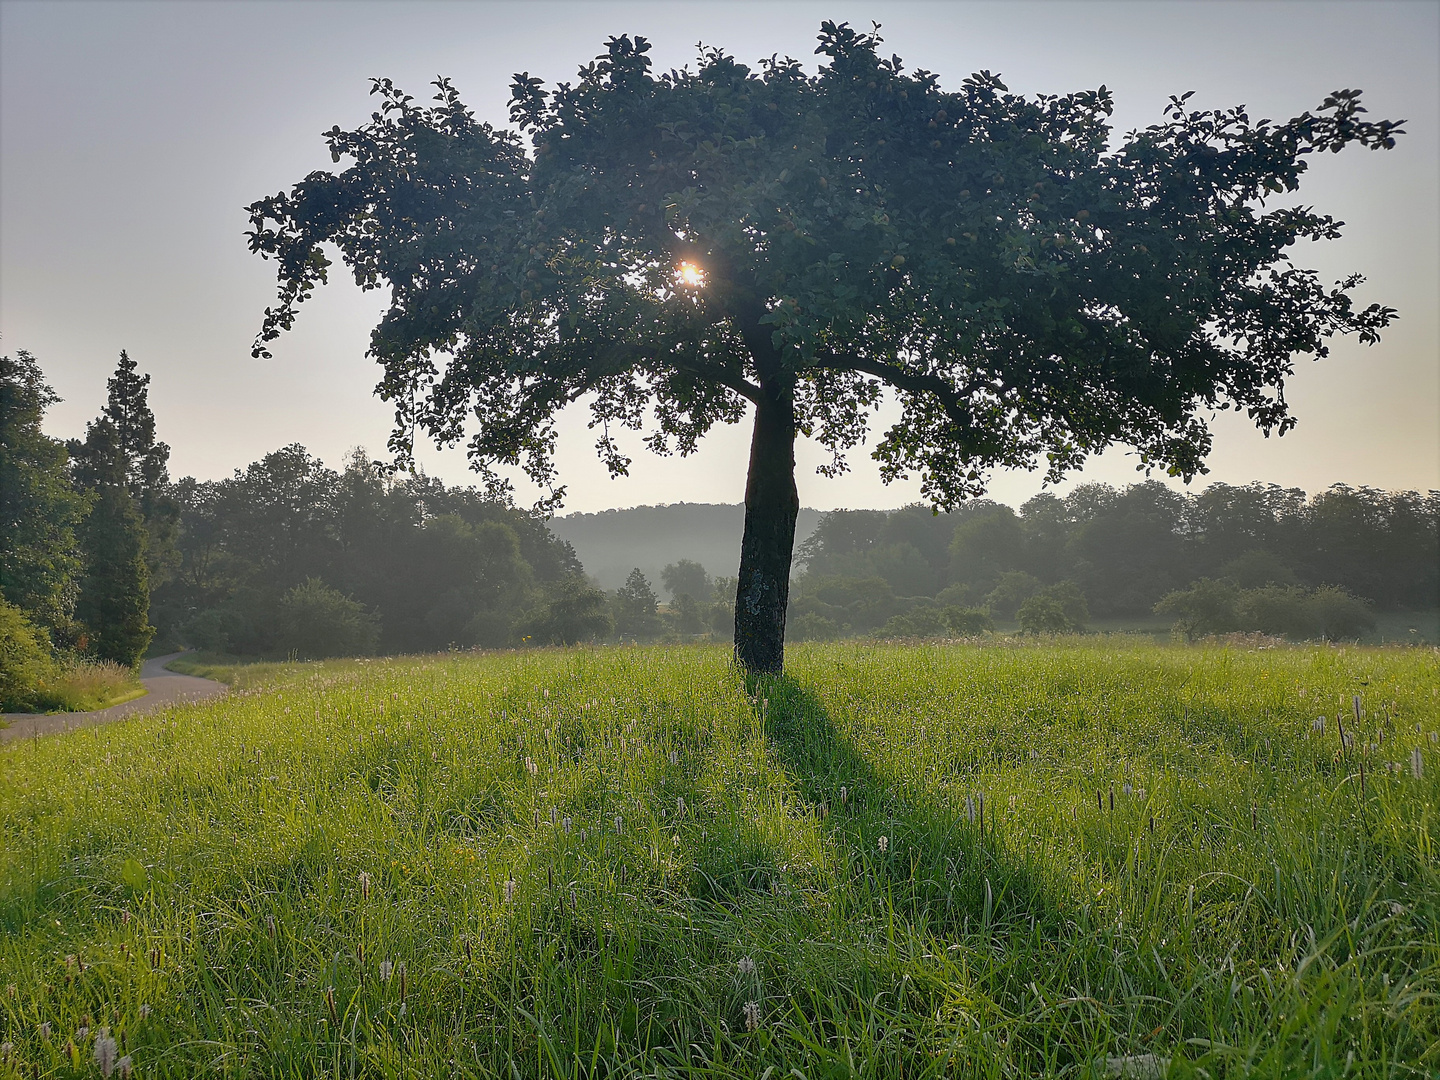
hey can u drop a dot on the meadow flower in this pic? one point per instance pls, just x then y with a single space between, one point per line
509 889
270 925
746 965
125 1066
6 1049
844 794
619 825
44 1030
553 814
530 766
884 844
364 886
752 1015
680 804
1318 724
386 970
674 757
82 1033
567 825
1417 764
105 1052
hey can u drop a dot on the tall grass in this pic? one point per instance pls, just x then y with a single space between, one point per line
1066 859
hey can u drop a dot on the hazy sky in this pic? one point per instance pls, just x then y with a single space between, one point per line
133 134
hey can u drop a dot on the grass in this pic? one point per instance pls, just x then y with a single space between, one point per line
629 862
85 685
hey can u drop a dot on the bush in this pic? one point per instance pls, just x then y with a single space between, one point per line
1206 607
809 626
572 612
1340 615
969 622
920 622
1012 590
1284 611
316 621
26 666
1058 609
1043 615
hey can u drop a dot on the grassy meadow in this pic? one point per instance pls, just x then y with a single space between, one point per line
1080 858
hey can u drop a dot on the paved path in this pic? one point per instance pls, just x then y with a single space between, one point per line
165 688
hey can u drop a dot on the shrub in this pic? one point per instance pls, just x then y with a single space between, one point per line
1012 590
1284 611
1340 615
1206 607
920 622
572 612
969 622
1057 609
808 626
26 665
1043 615
316 621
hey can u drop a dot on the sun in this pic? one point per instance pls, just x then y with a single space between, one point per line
687 273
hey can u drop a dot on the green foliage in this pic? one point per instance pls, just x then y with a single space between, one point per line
1056 609
672 248
1043 615
114 603
1217 607
441 566
919 622
686 577
1206 607
1011 590
571 612
40 560
1245 906
316 621
635 607
969 622
26 664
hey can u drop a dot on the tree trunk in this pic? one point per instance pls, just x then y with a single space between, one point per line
771 507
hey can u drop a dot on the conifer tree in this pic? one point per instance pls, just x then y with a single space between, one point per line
124 468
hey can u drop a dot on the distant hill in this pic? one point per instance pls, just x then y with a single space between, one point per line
611 543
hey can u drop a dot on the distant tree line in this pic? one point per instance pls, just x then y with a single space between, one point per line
288 557
1109 553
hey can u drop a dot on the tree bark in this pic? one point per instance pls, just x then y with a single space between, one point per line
771 507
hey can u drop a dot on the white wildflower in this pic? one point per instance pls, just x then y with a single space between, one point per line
1417 764
386 970
746 965
105 1052
125 1067
680 802
884 844
752 1015
364 886
567 824
619 825
509 889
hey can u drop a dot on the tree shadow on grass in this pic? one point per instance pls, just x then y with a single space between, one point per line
944 868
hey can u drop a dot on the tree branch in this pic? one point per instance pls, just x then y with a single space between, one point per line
951 400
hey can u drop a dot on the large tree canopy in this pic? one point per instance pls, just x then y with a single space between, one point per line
675 248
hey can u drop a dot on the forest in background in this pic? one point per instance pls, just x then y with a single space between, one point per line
102 552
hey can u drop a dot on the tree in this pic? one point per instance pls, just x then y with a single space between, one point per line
123 467
142 462
39 509
572 612
687 578
114 603
1206 607
693 245
635 607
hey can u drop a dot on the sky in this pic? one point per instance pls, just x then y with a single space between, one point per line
132 135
